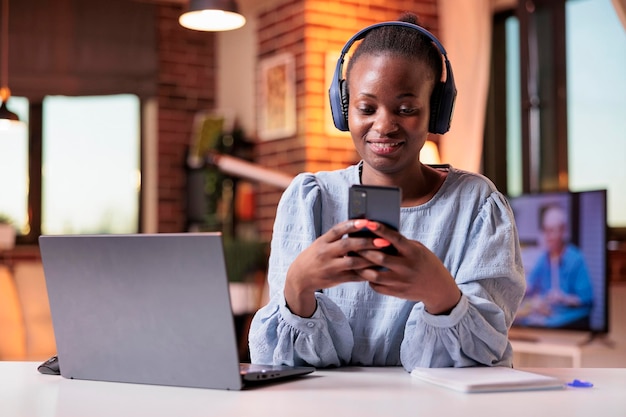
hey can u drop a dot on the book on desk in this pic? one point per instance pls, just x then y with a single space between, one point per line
486 379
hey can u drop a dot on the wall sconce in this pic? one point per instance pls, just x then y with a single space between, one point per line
212 15
7 117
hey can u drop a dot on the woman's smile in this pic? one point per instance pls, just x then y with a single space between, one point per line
382 147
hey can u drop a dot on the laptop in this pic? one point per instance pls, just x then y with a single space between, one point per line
147 309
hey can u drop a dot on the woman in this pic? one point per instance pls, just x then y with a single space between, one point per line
449 295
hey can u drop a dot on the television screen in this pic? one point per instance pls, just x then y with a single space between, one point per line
563 236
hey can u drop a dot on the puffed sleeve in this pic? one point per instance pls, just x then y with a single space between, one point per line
490 275
278 336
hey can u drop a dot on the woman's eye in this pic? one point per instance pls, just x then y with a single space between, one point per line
366 110
408 110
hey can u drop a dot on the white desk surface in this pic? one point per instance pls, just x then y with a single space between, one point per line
342 392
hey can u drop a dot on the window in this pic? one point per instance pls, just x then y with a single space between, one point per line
82 172
90 171
559 101
596 88
514 109
14 167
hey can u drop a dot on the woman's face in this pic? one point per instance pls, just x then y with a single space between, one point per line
389 110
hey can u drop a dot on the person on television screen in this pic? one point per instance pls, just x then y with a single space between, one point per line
449 295
559 291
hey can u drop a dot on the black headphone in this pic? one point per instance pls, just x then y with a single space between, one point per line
441 100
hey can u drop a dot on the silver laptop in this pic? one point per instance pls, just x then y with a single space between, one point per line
146 308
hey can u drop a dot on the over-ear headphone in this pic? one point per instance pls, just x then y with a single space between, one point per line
441 100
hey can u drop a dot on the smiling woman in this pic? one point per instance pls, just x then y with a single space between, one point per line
449 294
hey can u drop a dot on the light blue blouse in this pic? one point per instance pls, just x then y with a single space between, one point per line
468 225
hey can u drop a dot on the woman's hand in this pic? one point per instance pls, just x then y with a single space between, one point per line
326 263
415 273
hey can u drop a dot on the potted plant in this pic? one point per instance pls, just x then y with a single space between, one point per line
7 233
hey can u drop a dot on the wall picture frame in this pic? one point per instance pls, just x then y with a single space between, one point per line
277 107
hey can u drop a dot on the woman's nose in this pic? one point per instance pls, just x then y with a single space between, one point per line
385 123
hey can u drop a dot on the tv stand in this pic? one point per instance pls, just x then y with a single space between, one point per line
574 352
601 337
524 338
555 343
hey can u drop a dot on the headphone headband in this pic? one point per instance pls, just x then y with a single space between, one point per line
442 98
361 34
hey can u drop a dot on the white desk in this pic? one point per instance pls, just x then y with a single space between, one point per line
344 392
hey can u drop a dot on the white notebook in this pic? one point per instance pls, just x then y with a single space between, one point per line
486 379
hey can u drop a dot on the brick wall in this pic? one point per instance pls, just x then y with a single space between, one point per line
186 85
310 30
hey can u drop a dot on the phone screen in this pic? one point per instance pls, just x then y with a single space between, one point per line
381 204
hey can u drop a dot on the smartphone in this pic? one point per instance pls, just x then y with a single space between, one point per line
378 203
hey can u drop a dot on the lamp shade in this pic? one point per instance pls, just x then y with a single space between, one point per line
212 15
6 115
9 121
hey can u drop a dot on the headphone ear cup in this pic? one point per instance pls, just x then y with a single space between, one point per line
442 103
435 111
337 108
345 101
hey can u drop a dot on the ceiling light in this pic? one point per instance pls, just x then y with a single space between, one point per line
212 15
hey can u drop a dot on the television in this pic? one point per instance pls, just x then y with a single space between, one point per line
563 238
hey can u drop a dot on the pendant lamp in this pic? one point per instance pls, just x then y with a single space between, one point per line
212 15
